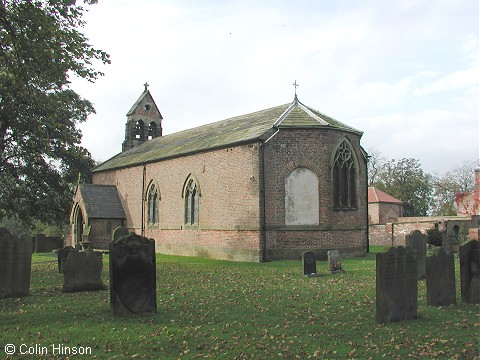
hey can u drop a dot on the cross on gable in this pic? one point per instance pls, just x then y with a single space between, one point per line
146 86
296 85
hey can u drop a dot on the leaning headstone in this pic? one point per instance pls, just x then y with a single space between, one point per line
119 232
132 275
15 265
418 242
334 261
396 287
470 271
309 263
440 279
62 255
82 271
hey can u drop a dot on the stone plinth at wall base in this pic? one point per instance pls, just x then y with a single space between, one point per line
474 234
320 253
213 252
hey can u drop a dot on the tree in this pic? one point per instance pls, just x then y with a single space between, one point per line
374 165
40 152
405 180
458 180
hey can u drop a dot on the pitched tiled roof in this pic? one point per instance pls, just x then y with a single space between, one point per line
376 196
102 201
252 127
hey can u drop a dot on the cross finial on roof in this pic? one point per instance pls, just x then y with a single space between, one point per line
296 85
146 86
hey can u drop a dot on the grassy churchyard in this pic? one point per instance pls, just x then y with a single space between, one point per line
220 309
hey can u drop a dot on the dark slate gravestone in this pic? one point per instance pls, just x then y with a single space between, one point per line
15 265
470 271
334 261
132 275
418 242
119 232
396 287
82 271
440 278
62 255
309 263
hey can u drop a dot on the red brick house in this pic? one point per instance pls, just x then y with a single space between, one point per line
382 207
257 187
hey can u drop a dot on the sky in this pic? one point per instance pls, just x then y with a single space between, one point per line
406 73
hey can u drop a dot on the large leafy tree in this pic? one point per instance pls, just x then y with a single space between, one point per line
458 180
405 180
41 46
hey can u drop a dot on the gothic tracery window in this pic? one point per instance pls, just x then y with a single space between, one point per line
152 205
191 203
344 179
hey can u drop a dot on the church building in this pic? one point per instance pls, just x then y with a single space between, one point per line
256 187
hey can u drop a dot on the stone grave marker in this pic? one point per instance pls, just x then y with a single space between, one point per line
396 285
470 271
15 265
334 261
418 242
62 255
440 279
309 263
119 232
132 275
82 271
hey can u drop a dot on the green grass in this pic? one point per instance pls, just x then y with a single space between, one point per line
231 310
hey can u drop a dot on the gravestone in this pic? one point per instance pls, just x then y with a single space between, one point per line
15 265
396 285
418 242
440 279
470 271
82 271
334 261
309 263
119 232
62 255
132 275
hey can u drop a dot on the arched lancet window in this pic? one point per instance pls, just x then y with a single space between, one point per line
152 130
152 205
139 129
301 197
191 202
344 179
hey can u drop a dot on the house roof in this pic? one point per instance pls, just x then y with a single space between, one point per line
376 196
257 126
101 201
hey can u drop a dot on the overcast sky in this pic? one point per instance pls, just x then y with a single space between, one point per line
403 72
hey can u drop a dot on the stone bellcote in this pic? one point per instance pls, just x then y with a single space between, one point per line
144 121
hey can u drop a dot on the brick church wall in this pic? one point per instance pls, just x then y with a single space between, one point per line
229 210
344 230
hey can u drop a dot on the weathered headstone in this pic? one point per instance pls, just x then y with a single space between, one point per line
418 242
15 265
334 261
132 275
119 232
62 255
470 271
82 272
309 263
396 285
440 279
